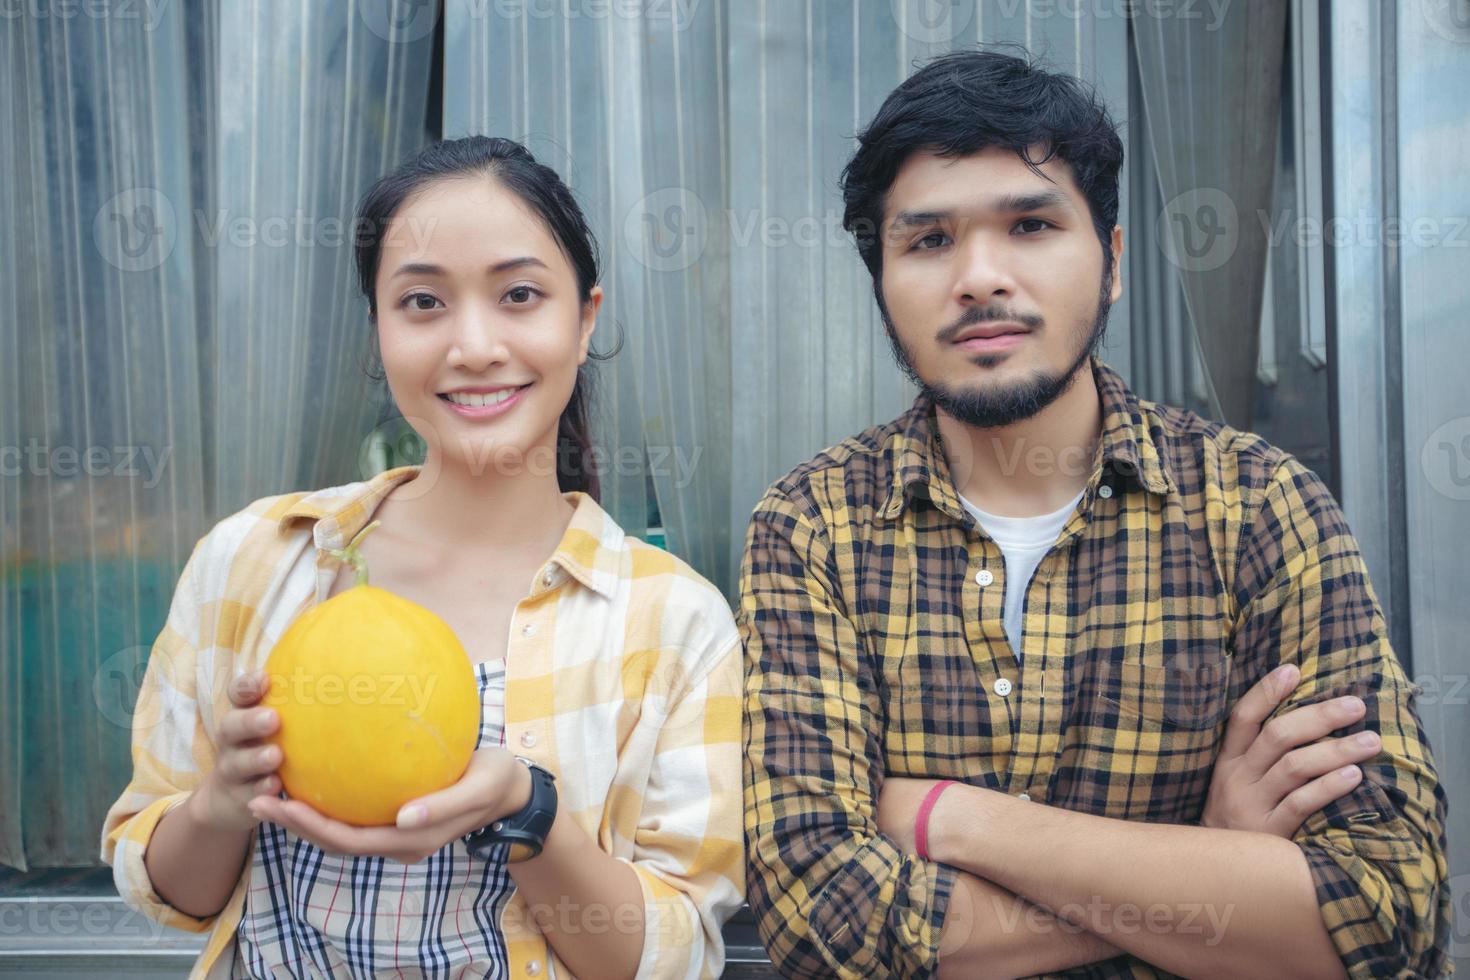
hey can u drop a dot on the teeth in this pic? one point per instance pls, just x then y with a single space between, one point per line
480 401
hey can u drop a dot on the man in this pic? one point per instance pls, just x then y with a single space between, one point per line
1143 644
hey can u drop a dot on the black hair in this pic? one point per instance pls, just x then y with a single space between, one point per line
543 190
966 101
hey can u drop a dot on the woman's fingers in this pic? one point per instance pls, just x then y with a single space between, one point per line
494 783
246 764
241 726
248 688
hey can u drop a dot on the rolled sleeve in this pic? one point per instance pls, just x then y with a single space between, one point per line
1377 854
832 896
124 849
171 752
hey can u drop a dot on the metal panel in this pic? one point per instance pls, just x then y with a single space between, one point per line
1432 241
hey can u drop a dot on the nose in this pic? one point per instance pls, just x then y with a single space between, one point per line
477 342
982 274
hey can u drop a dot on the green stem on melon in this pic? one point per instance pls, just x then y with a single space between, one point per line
349 554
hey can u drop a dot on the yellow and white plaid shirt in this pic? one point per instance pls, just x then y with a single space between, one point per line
623 678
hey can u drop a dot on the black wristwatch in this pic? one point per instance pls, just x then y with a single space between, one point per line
524 831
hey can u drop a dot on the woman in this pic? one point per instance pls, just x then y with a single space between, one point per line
617 673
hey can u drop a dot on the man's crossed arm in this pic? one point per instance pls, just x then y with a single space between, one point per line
1046 889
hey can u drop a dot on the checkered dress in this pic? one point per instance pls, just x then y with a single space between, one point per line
313 914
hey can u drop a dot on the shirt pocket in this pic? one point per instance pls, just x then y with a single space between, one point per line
1186 698
1145 738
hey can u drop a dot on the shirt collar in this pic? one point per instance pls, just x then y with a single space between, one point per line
1127 447
590 551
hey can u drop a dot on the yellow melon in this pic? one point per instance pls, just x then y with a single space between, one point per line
377 700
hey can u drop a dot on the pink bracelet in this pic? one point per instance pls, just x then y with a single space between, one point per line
921 821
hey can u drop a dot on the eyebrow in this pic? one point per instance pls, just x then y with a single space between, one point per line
429 269
1005 204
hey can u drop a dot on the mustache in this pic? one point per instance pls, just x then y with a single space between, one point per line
988 314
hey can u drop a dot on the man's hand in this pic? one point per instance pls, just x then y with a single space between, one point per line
1269 779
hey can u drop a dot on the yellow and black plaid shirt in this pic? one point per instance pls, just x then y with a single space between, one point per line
1198 559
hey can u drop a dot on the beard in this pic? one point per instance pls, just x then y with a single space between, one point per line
1003 405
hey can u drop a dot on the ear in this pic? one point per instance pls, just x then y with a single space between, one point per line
588 323
1117 249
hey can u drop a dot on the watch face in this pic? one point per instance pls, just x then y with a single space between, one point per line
520 851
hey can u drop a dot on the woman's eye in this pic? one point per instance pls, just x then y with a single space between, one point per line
521 295
1034 221
418 301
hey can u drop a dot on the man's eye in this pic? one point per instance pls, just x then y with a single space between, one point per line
935 239
1034 221
419 301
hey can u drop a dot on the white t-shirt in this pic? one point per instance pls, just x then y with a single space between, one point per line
1024 541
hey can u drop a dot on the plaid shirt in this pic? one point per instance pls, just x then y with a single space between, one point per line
623 679
1198 559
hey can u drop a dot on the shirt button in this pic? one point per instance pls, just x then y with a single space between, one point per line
529 629
528 739
1002 686
549 579
1023 796
985 576
533 968
1105 491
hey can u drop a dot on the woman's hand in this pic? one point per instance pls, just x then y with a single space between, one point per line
495 785
246 767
